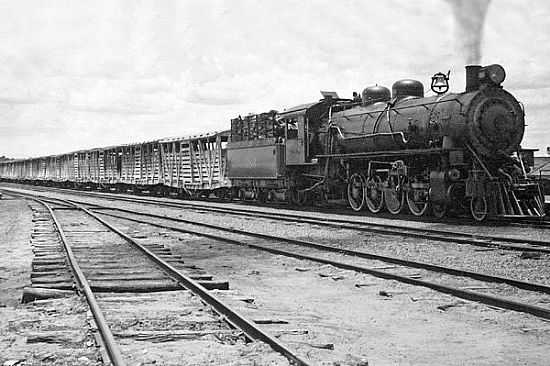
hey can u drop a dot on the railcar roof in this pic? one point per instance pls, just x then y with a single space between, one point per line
194 137
298 108
305 107
161 140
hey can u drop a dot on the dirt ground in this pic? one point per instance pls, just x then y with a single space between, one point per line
24 326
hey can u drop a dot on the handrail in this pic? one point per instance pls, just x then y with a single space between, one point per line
403 138
479 161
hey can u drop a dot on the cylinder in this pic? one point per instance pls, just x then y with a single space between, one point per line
472 77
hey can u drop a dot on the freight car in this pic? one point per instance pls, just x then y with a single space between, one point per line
186 166
451 152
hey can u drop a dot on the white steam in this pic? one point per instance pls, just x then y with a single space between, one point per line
470 17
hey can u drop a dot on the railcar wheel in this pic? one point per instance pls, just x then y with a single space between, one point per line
394 197
479 208
356 191
374 195
439 210
418 201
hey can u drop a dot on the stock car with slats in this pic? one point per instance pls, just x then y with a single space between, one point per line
188 166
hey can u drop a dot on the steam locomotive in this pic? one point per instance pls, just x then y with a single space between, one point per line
444 154
448 153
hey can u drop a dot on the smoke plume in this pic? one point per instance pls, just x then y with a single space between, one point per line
469 16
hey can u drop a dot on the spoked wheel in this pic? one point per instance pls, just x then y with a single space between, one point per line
394 196
418 201
479 208
374 196
439 209
356 191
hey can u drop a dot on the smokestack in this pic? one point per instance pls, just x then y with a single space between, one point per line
472 77
469 18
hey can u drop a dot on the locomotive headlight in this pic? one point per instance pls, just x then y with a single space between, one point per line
492 74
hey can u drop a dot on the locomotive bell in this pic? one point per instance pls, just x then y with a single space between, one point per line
373 94
407 88
440 83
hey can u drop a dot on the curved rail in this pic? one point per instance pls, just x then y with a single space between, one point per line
380 228
229 314
470 295
360 254
520 222
111 346
387 229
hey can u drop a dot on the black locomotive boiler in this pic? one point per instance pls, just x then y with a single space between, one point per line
447 153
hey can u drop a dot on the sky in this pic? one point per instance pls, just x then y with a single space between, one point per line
83 74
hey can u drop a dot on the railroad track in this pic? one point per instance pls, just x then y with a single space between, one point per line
76 248
487 241
541 223
453 281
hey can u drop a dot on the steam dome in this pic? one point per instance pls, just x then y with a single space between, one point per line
407 88
373 94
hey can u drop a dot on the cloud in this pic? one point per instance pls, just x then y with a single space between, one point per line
16 100
111 110
110 72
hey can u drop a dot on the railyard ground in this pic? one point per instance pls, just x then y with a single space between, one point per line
22 325
411 326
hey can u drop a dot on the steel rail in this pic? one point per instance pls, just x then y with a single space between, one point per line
426 233
111 346
469 295
361 254
381 228
230 315
465 294
531 286
395 230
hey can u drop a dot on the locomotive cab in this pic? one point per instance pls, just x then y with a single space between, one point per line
296 143
303 135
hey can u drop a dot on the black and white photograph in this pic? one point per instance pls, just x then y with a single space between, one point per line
274 183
